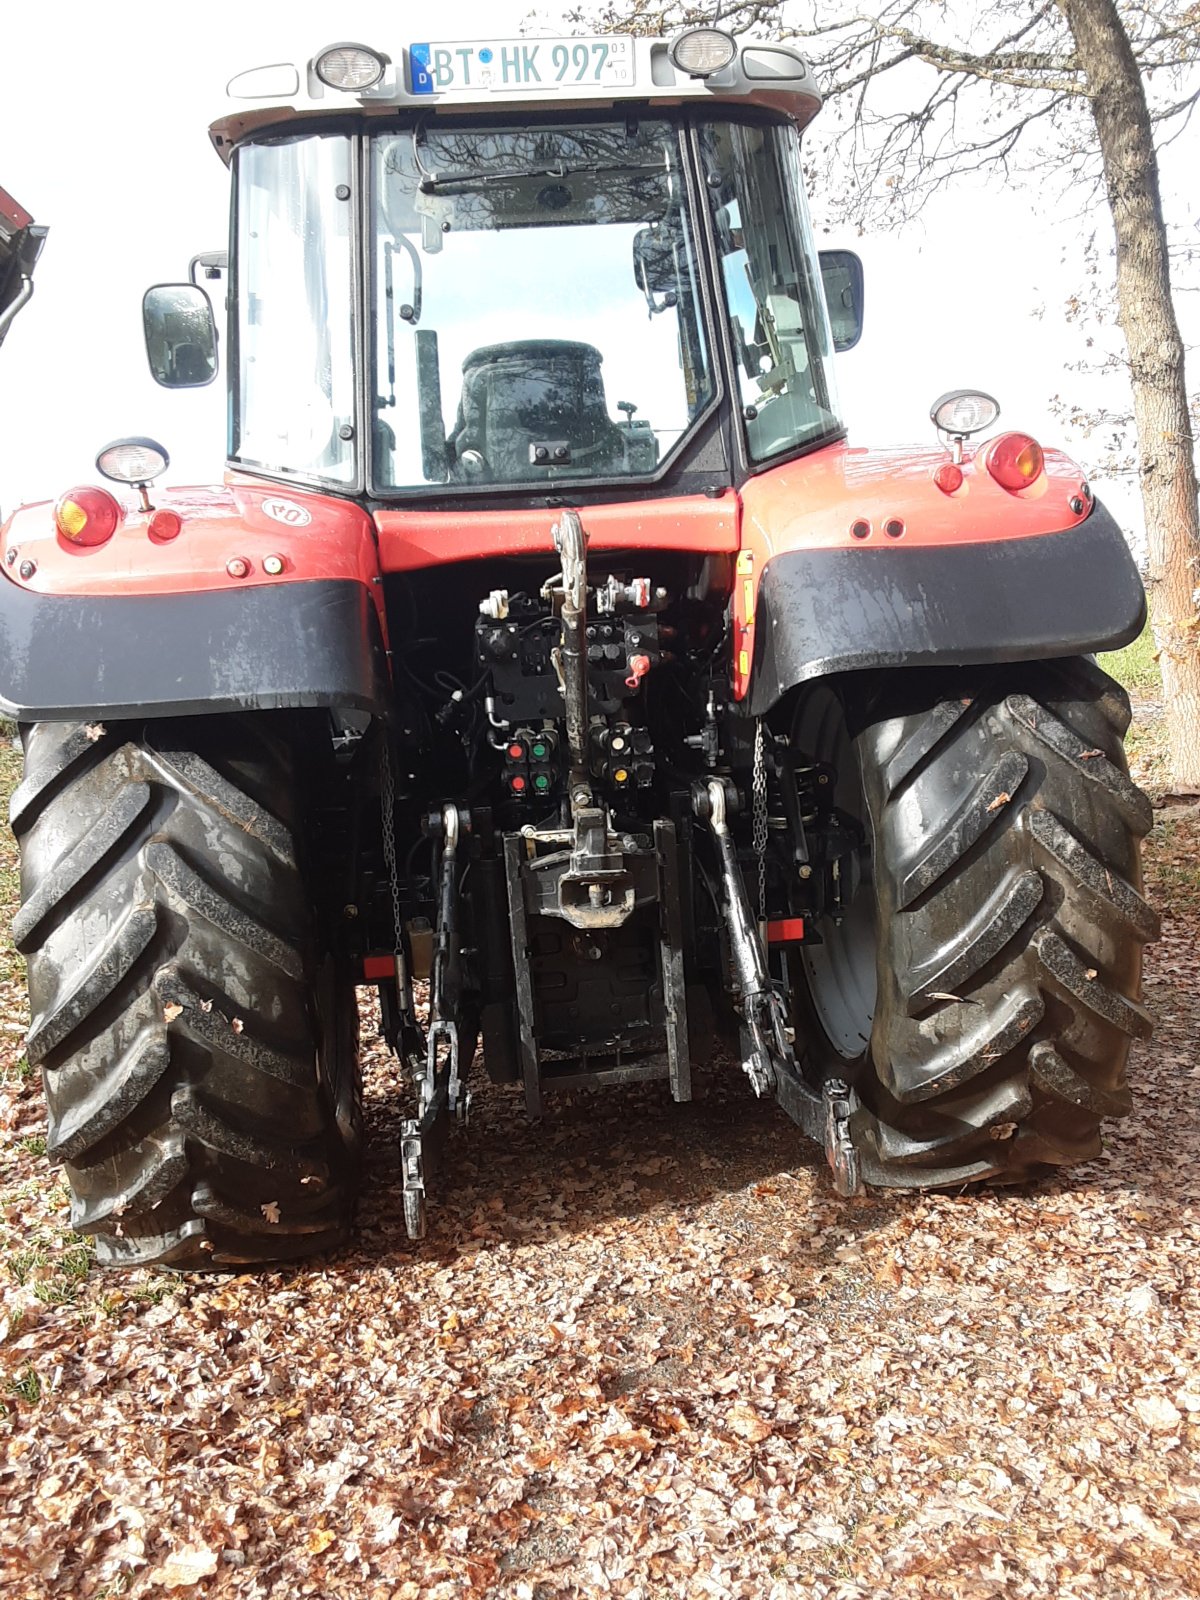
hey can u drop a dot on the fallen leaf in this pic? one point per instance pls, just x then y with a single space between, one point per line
270 1210
171 1010
94 731
1001 799
185 1567
747 1424
237 1024
1158 1414
1140 1300
636 1439
890 1272
319 1540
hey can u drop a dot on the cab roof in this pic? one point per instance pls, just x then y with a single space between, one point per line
520 75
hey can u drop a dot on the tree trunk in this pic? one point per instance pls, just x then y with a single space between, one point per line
1147 316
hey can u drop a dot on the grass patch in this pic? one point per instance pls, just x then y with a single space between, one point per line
21 1070
1173 867
26 1385
1135 667
54 1264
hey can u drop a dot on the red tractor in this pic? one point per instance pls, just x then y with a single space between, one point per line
548 644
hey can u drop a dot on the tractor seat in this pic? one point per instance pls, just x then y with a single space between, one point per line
526 402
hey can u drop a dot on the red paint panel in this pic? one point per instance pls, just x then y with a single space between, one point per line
813 502
316 536
418 538
374 968
785 930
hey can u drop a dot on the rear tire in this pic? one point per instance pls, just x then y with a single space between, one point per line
198 1052
1009 920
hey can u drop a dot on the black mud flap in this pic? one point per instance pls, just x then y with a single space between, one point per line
1060 594
267 647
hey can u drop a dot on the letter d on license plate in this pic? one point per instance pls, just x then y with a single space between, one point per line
499 65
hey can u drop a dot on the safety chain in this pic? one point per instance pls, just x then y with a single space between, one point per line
758 786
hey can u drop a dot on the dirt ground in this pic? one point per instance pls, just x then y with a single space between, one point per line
645 1351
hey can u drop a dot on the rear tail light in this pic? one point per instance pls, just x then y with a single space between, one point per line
87 516
1014 460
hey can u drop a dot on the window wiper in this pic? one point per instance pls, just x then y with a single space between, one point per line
429 182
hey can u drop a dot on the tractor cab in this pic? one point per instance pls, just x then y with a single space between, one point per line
489 286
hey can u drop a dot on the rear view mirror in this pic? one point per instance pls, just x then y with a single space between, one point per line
842 273
181 336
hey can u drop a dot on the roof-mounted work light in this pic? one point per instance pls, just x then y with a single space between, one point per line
352 67
702 51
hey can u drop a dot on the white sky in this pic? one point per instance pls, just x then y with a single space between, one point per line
103 118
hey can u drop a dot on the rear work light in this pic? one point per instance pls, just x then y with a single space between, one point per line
963 412
133 461
87 516
1014 460
702 51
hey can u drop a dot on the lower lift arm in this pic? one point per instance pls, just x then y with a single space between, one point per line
767 1055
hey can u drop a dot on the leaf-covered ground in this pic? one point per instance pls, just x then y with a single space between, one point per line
644 1352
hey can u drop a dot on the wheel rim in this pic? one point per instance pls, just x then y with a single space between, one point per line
841 971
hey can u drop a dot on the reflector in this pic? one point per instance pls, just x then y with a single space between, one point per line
164 525
349 66
702 51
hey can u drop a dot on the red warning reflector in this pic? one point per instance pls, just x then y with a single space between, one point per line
376 967
785 930
164 524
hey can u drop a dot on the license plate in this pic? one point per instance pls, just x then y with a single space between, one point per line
499 64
